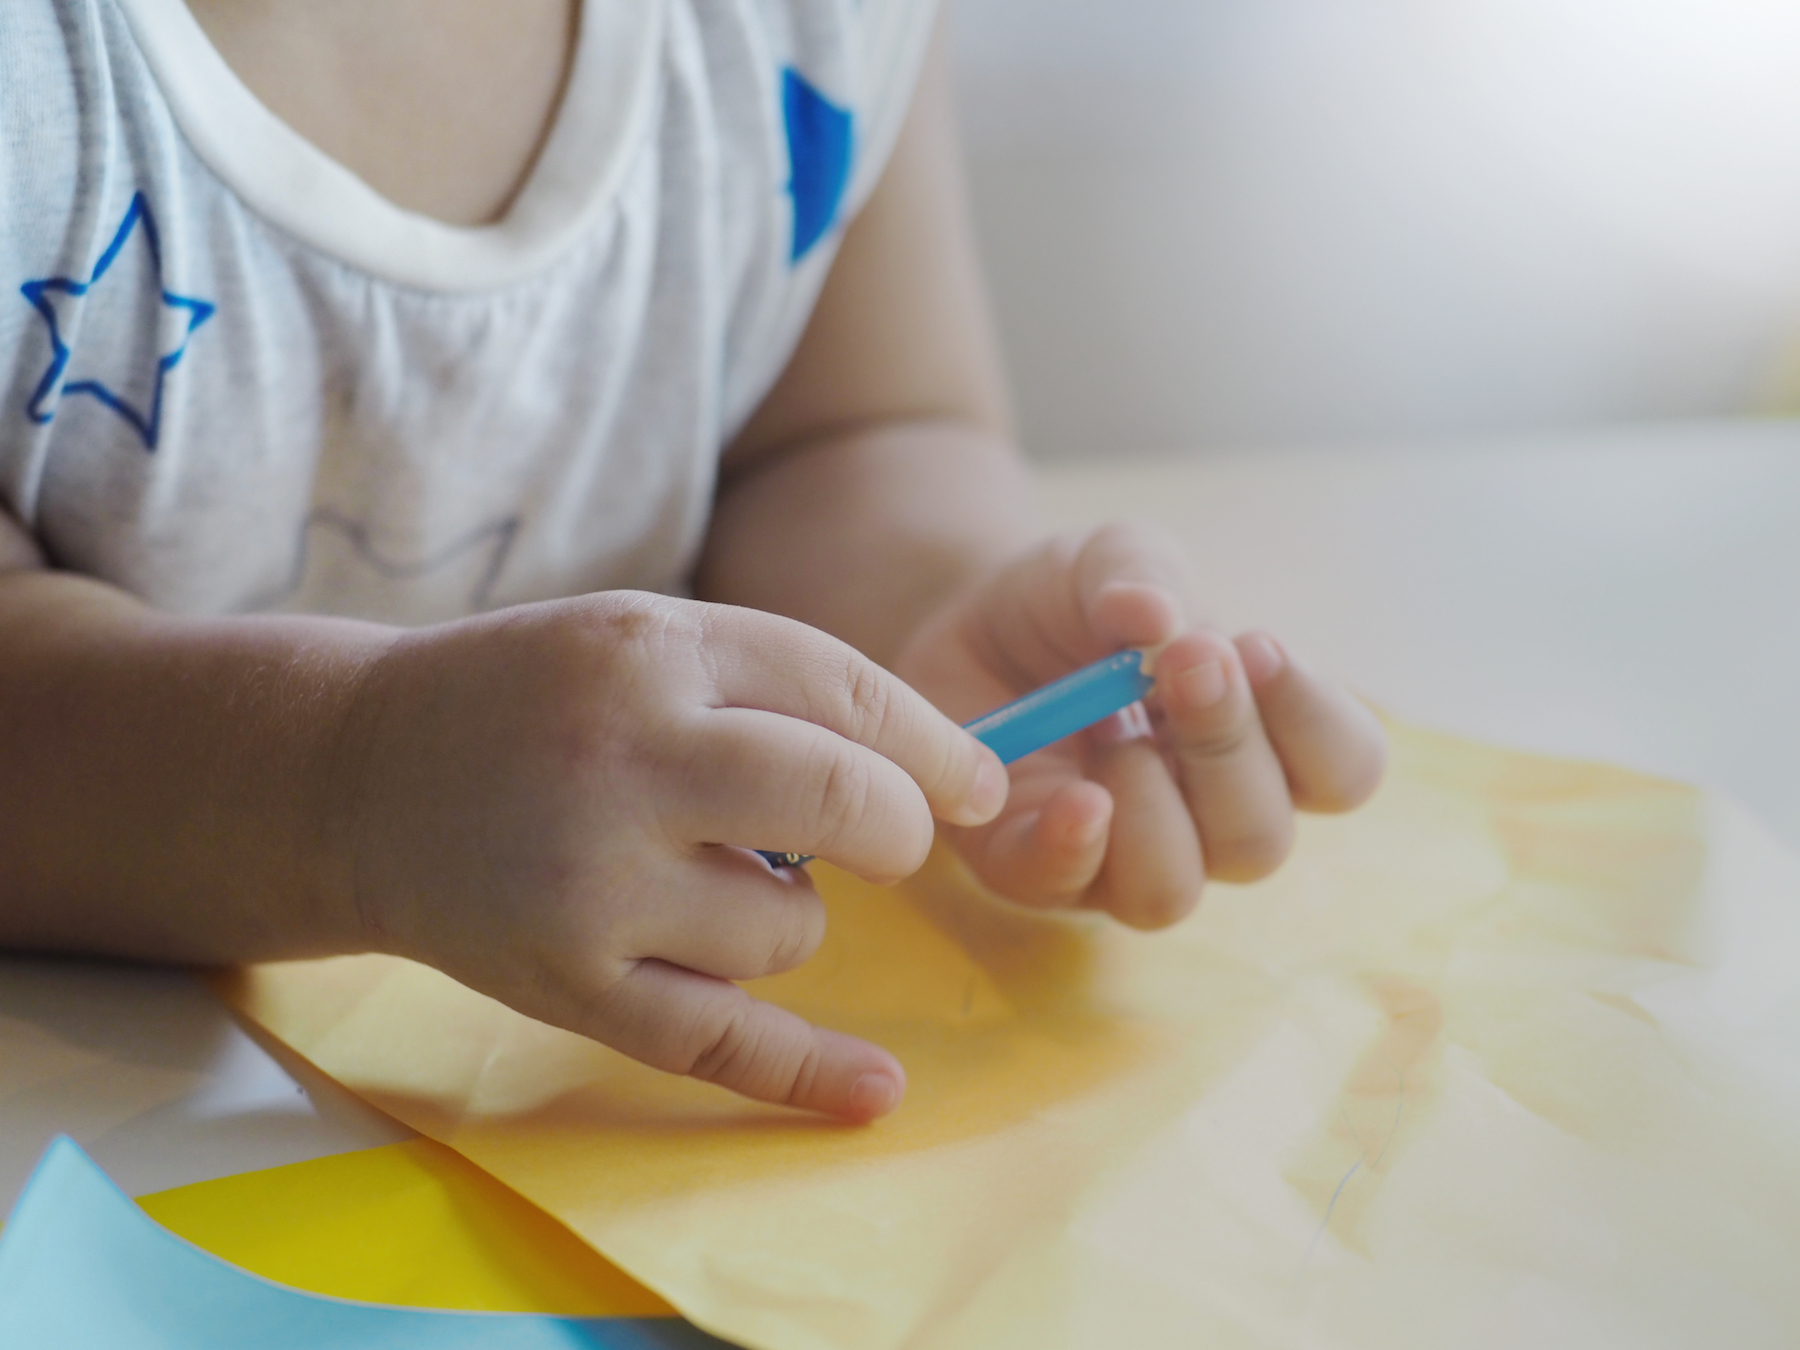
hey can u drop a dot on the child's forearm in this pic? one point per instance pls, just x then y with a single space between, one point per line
539 802
162 780
865 533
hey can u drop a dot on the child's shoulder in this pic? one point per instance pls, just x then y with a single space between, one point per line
866 55
55 60
74 116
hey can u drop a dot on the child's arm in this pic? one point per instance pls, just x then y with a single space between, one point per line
156 772
879 474
877 495
530 800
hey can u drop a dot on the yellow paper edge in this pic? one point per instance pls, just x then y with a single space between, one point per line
413 1224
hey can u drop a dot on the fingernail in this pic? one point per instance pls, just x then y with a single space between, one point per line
1262 657
872 1095
1155 628
1203 685
992 783
1090 832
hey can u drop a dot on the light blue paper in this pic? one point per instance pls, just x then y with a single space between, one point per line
83 1268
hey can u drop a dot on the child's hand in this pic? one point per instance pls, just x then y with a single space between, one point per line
1133 818
543 803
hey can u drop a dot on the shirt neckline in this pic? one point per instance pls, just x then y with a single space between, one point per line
602 117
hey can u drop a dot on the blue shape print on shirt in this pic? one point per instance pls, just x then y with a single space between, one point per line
146 422
819 135
382 585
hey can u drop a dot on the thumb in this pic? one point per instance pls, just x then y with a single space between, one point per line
1133 584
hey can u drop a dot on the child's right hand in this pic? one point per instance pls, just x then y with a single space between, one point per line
542 803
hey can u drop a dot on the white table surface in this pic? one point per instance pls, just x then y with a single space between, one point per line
1628 596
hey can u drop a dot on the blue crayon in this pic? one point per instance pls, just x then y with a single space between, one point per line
1063 707
1044 716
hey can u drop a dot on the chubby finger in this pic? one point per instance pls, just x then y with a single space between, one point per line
761 780
1233 783
1048 845
1133 584
766 663
728 915
688 1023
1331 746
1074 599
1154 868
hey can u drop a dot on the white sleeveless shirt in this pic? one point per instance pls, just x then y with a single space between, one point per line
235 378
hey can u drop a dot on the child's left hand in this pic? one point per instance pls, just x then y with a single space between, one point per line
1132 816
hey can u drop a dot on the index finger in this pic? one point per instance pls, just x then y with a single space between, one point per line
770 664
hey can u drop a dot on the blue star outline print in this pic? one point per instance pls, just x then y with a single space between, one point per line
50 295
820 139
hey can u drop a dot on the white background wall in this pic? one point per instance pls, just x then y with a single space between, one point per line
1236 222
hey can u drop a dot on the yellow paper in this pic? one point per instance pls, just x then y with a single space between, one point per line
1511 1057
411 1223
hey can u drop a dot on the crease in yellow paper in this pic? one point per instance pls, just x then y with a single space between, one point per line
1510 1057
411 1223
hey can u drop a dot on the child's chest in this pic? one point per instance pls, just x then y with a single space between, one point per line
236 377
441 106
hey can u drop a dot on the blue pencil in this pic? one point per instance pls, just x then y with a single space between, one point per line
1044 716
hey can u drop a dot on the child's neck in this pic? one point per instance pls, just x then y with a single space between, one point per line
439 105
